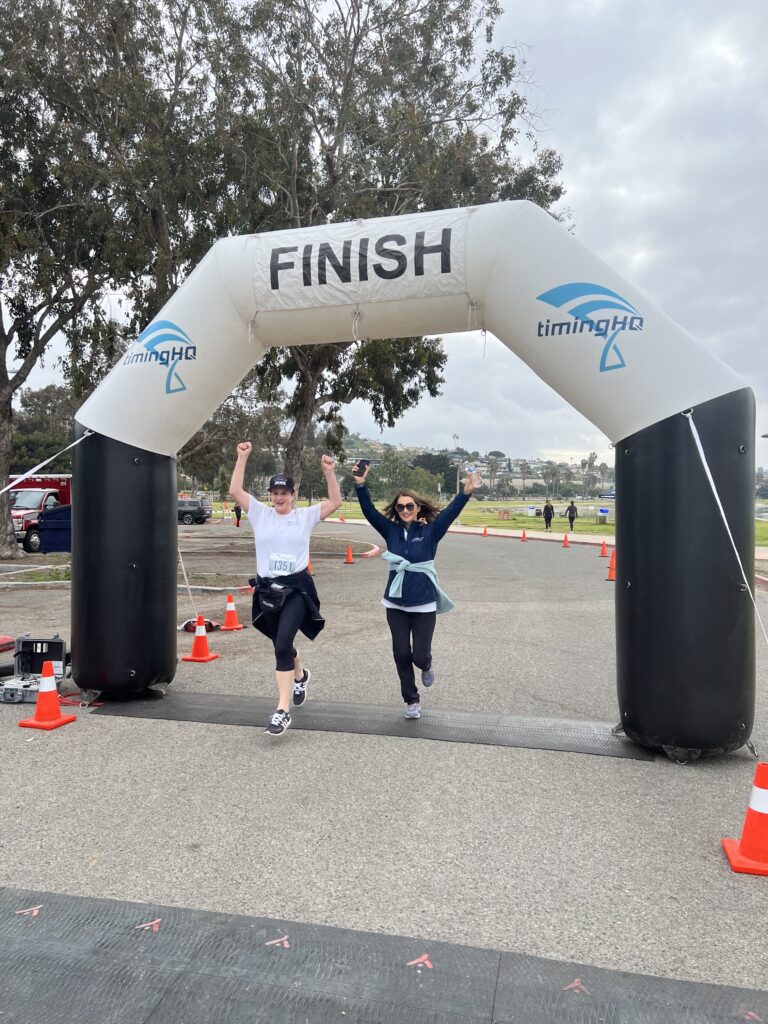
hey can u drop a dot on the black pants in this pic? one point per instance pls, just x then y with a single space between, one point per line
547 523
283 627
571 520
405 626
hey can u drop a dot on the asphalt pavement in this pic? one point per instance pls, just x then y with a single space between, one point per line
606 861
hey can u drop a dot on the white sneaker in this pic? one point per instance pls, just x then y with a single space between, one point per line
413 711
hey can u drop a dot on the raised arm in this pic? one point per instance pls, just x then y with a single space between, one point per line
379 522
452 511
333 501
236 488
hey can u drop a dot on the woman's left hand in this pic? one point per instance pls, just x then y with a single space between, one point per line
468 486
328 463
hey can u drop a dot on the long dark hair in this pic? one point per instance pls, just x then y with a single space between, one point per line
428 510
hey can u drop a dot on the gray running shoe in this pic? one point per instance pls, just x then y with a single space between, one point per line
300 688
413 711
279 722
428 676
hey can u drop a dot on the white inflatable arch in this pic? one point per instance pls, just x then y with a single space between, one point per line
509 268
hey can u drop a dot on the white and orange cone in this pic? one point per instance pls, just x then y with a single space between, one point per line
749 855
200 650
611 577
231 621
47 709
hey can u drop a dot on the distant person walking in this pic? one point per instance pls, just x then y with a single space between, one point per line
412 527
285 598
549 512
573 513
238 512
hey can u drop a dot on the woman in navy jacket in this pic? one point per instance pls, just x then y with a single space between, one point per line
412 528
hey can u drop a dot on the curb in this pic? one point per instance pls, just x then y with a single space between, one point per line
477 531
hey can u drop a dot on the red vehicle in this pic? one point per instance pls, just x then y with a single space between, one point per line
32 496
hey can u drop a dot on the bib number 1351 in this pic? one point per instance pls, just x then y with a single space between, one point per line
282 563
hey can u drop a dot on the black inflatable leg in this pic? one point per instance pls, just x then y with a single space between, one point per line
685 624
124 557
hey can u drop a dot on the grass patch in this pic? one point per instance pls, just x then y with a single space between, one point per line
482 513
43 576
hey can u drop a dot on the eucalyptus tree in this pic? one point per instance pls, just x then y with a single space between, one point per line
382 107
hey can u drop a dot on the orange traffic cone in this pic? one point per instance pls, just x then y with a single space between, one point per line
349 560
524 536
309 567
611 577
200 644
47 710
604 550
565 541
485 531
750 854
231 620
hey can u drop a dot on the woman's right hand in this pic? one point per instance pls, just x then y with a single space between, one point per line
360 478
244 449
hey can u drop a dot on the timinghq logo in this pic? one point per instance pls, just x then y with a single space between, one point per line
591 299
164 342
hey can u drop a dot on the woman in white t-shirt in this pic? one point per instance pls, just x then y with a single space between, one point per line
285 599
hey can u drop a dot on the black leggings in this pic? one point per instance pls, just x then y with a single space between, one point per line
283 627
403 625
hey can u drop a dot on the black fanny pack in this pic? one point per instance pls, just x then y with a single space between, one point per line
271 594
272 597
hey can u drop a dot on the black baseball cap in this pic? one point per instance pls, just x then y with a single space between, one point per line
281 480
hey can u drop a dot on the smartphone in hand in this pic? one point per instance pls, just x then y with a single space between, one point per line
360 467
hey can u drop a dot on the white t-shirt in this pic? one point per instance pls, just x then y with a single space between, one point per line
282 542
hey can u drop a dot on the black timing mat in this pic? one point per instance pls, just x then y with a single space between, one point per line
79 960
451 726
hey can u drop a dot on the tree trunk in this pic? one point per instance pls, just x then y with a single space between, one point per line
9 547
307 395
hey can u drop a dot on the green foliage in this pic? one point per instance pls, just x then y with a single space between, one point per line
43 427
394 473
440 466
213 446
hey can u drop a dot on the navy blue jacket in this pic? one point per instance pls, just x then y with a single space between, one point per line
418 544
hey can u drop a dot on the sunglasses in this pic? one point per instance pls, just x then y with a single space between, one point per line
407 507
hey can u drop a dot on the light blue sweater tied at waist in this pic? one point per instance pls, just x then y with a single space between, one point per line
401 566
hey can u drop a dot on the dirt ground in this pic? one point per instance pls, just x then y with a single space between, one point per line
218 559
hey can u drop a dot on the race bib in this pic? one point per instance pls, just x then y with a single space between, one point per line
282 563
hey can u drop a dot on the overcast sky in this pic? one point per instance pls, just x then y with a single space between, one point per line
660 111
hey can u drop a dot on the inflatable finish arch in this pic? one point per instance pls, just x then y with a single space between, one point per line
685 626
